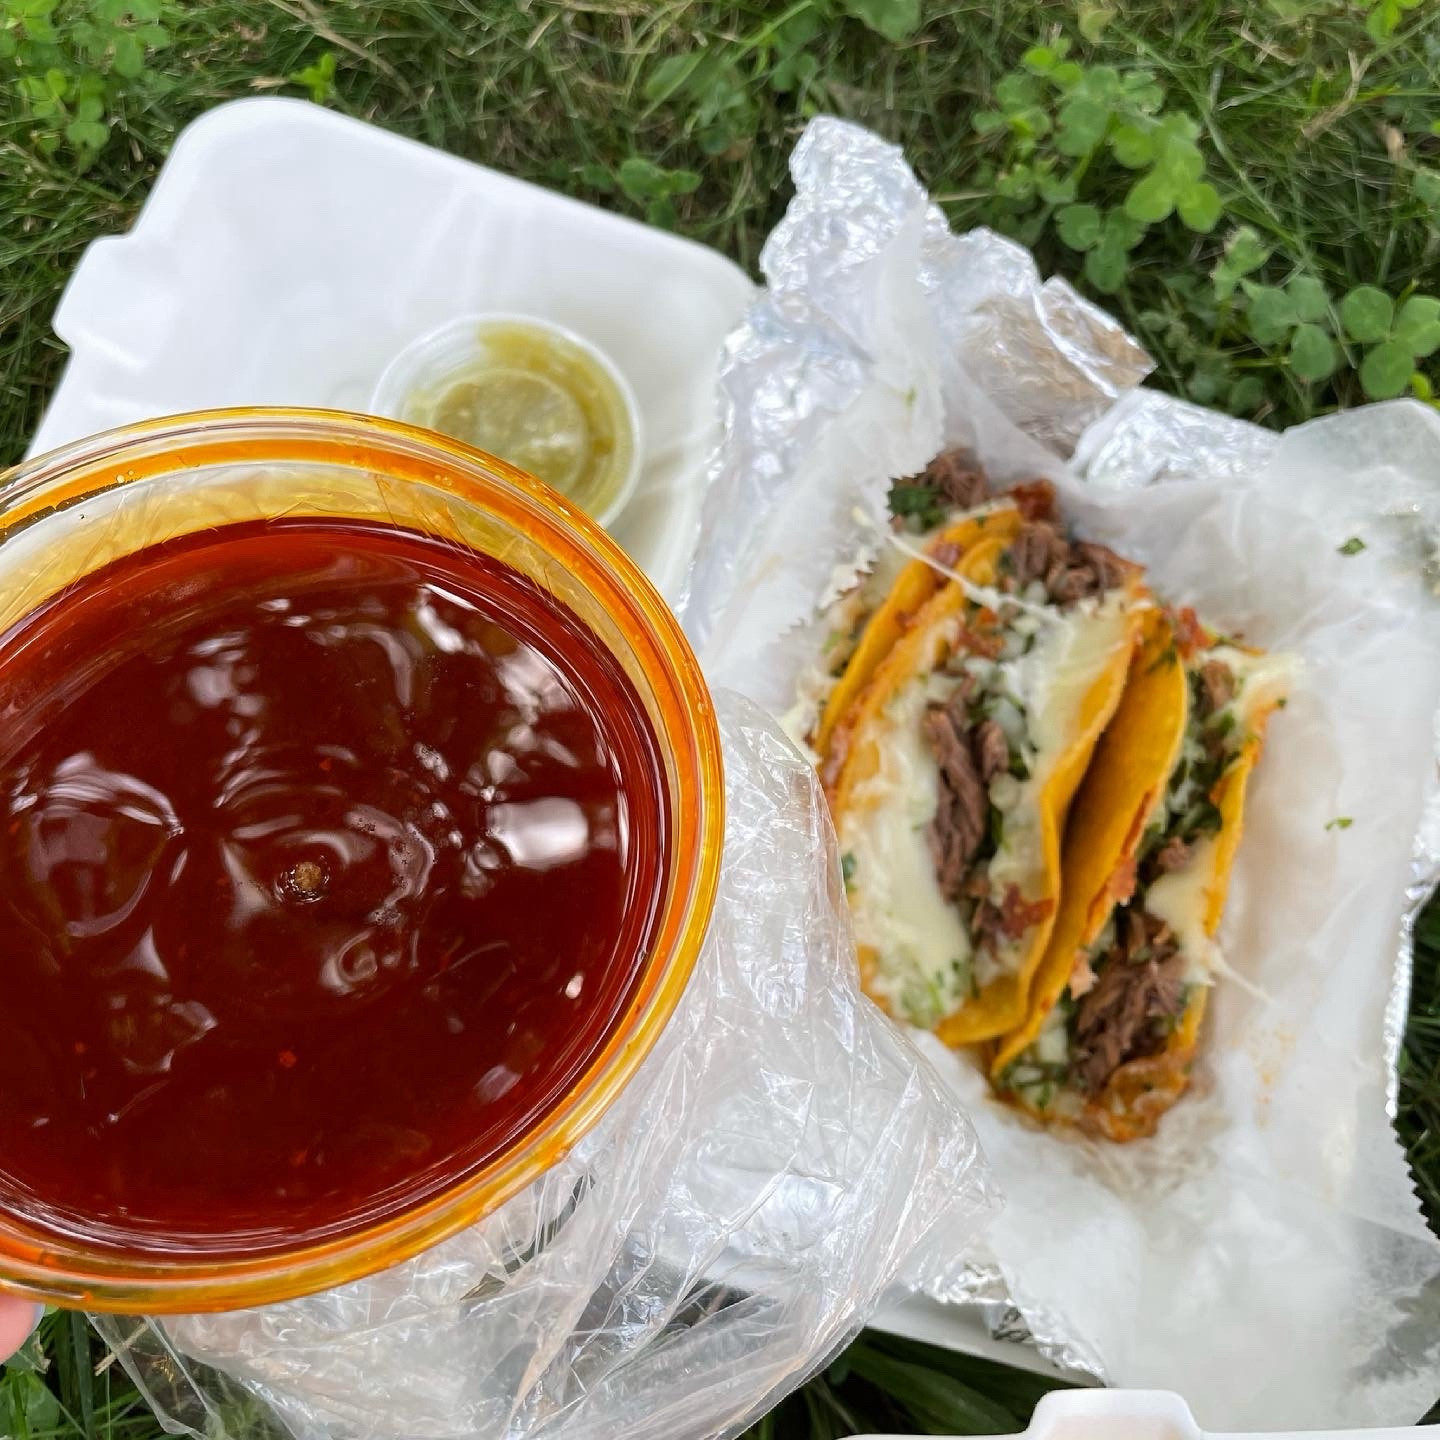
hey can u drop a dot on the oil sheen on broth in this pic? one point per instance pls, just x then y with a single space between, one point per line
329 854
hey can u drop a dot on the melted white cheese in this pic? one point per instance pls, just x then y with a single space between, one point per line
923 950
1181 898
812 688
1052 1045
1260 680
841 623
1051 682
925 959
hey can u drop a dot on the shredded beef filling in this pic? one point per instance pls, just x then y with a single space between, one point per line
971 753
1191 813
1008 920
1138 993
953 481
1036 552
1137 997
958 480
1173 855
963 812
1217 686
1071 570
1034 499
992 749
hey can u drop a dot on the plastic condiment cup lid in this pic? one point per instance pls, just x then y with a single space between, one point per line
528 391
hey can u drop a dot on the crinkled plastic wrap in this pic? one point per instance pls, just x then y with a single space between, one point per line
725 1228
1264 1254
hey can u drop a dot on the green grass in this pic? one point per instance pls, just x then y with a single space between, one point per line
1318 137
60 1385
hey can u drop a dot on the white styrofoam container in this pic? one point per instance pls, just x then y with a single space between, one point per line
286 254
1147 1415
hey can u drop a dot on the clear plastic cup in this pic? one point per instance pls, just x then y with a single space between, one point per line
530 392
67 514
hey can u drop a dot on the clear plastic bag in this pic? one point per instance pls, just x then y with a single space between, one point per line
725 1228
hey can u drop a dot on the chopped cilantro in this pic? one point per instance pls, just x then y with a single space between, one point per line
1173 1022
922 505
997 826
921 1002
1168 656
1340 822
1180 774
847 868
1211 747
1353 546
965 977
1202 818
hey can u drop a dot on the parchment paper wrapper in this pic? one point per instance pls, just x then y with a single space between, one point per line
1265 1254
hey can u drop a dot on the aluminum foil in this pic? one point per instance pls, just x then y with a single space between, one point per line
1275 1204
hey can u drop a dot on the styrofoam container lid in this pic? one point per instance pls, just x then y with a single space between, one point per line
1148 1415
287 254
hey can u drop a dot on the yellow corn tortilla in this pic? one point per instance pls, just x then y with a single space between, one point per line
1129 775
914 586
1140 1092
1127 778
919 647
1002 1004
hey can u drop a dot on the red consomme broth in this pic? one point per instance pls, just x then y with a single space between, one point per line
330 854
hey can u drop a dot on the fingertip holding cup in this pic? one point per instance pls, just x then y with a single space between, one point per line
18 1319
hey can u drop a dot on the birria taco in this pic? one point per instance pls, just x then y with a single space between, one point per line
966 702
1119 996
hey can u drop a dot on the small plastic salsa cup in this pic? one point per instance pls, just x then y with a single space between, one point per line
508 380
67 514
